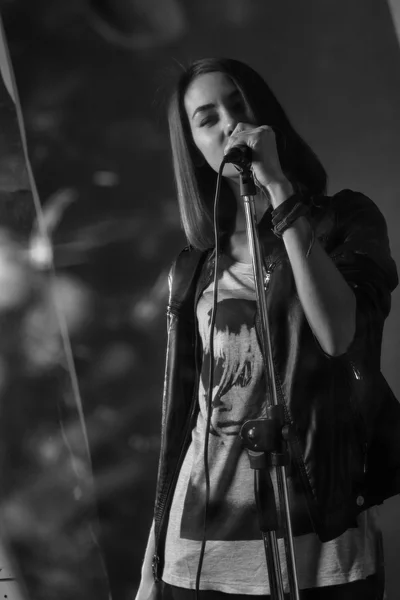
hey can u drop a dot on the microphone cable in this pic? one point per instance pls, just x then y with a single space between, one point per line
211 378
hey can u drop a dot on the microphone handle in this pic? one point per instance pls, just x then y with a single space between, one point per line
240 156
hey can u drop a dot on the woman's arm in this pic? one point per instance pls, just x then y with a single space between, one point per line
327 300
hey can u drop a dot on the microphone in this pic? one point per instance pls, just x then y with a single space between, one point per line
240 156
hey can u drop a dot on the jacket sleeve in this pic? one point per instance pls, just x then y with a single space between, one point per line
360 249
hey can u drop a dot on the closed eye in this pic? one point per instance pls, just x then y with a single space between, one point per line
237 108
208 121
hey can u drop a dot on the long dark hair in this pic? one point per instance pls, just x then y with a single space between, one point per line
195 180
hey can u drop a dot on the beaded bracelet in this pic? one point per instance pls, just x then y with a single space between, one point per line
287 213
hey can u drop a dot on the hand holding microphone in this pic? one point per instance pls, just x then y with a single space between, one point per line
255 147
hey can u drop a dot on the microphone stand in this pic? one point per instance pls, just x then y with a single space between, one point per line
266 438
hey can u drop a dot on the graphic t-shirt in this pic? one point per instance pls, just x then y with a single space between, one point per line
235 558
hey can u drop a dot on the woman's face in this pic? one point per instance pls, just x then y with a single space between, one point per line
214 107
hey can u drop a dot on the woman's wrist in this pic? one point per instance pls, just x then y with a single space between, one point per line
279 191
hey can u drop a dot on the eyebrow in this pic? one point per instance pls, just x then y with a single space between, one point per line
205 107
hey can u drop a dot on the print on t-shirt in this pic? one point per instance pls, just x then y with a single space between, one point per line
238 394
234 344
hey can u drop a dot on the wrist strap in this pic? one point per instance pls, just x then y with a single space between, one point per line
287 213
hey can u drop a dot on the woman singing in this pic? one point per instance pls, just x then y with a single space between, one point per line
329 277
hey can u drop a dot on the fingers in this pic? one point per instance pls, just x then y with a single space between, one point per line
245 133
246 127
241 127
240 135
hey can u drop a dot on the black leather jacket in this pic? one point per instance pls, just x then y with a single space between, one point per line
346 453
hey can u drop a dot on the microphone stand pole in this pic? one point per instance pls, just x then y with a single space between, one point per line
266 439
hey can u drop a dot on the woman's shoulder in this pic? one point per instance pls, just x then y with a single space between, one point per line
359 216
187 259
348 203
345 201
184 270
359 234
350 211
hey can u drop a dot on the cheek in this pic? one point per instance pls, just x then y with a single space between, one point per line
210 147
203 143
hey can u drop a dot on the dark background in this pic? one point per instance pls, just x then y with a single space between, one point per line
93 79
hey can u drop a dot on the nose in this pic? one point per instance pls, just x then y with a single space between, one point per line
230 128
229 123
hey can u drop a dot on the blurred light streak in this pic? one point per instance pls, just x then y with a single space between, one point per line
54 482
394 7
41 251
92 237
95 236
4 66
43 233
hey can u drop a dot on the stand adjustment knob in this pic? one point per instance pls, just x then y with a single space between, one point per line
251 433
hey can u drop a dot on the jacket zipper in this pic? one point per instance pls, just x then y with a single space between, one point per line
156 558
266 281
267 276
